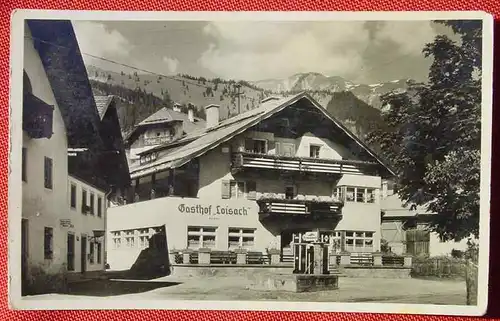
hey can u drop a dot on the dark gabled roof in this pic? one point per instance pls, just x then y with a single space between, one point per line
227 129
57 46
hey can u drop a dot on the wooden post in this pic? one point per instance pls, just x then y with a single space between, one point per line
152 192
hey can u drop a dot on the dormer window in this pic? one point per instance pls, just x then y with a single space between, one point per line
314 151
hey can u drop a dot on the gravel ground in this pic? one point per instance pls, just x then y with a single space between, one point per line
236 288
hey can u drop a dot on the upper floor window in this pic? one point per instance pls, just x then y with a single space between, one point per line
48 172
99 206
290 192
24 164
355 194
84 201
92 203
148 158
73 196
238 189
257 146
314 151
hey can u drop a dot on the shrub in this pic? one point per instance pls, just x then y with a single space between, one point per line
40 282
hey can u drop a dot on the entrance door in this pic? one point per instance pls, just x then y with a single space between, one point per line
24 253
287 150
70 256
83 253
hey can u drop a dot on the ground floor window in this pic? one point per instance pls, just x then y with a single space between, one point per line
201 237
359 241
116 239
48 243
143 238
241 238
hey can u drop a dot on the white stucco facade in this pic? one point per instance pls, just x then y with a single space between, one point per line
47 217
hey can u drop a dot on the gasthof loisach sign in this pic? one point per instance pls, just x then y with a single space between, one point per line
213 210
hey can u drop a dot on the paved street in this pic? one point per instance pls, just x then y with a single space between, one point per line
236 288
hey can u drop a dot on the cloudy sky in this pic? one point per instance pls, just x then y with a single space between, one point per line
363 52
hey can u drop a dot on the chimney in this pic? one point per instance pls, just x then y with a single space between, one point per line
177 107
384 189
212 112
191 115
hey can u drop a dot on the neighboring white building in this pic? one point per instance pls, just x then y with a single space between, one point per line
63 215
405 228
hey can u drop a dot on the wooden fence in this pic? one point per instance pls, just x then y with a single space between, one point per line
441 267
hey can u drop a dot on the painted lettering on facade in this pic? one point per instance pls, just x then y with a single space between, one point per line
213 210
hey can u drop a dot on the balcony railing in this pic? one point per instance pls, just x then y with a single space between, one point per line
299 207
245 160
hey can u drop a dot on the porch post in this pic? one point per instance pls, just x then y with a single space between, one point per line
153 187
135 195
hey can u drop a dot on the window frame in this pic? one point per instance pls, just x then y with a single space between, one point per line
314 146
99 206
200 232
236 184
48 243
368 195
241 233
92 203
84 201
73 200
48 173
24 164
356 236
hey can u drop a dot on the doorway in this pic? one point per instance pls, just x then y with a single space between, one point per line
70 255
83 253
24 254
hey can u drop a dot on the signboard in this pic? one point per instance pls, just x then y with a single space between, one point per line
66 223
213 210
310 237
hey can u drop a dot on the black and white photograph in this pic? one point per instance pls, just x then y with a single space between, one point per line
312 161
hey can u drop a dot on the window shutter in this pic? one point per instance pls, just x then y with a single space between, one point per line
277 148
225 189
251 190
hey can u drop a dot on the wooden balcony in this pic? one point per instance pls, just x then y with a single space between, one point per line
246 161
294 207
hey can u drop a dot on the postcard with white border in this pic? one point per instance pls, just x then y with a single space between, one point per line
276 161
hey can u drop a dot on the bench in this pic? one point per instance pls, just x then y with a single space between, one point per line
256 258
393 260
222 257
365 259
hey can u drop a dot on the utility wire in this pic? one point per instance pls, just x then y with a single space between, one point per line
189 81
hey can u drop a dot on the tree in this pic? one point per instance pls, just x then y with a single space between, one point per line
432 134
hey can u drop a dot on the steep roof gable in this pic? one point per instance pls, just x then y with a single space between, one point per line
57 46
231 127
